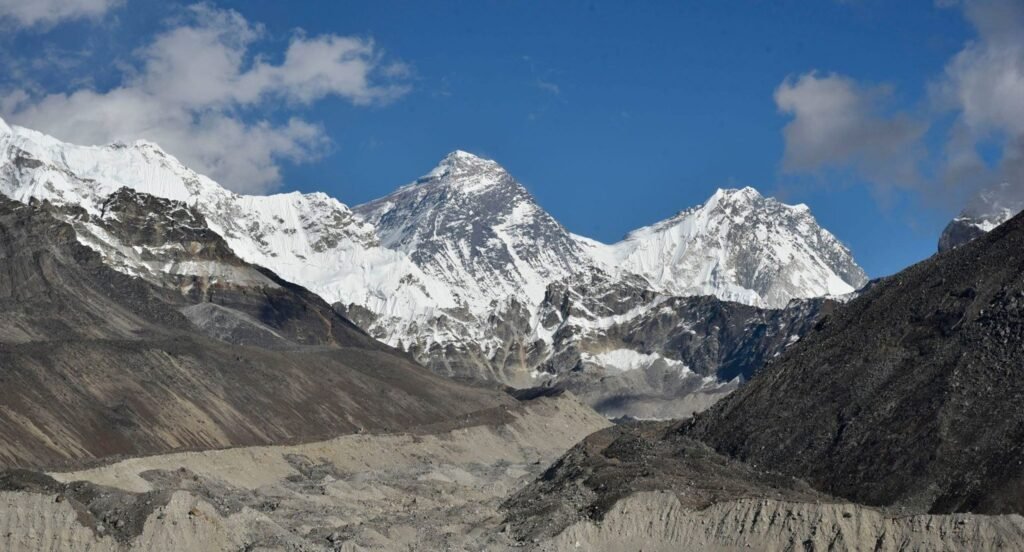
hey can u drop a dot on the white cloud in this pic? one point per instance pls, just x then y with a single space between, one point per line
46 13
194 84
838 123
984 85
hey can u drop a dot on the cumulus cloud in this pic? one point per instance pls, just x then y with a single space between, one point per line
984 85
195 83
837 123
840 123
46 13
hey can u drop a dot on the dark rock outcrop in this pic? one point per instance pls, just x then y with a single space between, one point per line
909 396
991 207
958 232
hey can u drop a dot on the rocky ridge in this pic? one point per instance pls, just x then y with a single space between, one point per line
97 363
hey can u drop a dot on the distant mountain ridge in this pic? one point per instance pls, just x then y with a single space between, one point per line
456 267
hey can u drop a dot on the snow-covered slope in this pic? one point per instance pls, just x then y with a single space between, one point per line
311 239
470 225
455 267
738 246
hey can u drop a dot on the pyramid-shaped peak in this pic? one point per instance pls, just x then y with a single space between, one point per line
463 155
747 198
461 161
464 168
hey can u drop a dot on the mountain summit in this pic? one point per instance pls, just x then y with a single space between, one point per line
739 246
471 225
465 169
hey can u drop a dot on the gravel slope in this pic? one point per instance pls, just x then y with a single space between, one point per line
429 489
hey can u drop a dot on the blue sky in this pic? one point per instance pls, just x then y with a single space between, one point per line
613 114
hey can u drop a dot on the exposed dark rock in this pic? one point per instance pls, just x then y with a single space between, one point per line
991 207
625 459
958 232
693 347
909 396
104 509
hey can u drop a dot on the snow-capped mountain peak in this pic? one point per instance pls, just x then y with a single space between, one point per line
311 239
461 161
463 172
739 246
470 224
731 195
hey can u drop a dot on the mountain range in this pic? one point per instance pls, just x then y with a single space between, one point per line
462 268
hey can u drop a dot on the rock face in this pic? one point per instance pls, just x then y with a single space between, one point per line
630 351
909 396
97 363
990 208
963 229
461 268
